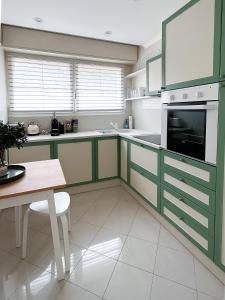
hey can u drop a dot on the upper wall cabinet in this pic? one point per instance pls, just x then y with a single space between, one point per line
191 45
154 76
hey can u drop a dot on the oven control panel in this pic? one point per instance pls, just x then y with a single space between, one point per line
209 92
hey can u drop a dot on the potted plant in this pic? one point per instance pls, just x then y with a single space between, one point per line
10 136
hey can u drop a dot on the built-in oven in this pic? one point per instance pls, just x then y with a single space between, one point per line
190 120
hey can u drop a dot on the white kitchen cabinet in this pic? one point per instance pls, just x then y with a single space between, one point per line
107 154
146 187
76 160
191 44
29 153
123 159
154 75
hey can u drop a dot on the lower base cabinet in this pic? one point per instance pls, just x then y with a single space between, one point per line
145 187
76 158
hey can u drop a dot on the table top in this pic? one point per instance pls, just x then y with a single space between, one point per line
40 176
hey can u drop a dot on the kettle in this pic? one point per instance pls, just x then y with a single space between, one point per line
33 129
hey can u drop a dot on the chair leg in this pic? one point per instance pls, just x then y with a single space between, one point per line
69 220
25 229
18 218
66 242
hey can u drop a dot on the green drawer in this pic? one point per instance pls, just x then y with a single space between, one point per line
195 223
195 170
189 189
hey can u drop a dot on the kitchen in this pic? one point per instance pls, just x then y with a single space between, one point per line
120 128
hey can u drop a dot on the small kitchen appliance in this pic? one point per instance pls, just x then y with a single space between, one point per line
54 126
33 129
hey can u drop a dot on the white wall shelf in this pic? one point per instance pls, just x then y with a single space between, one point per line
136 73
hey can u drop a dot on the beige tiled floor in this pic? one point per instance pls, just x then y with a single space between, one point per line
118 252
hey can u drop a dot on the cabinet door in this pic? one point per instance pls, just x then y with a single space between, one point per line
76 161
146 187
29 153
154 75
107 150
191 44
123 159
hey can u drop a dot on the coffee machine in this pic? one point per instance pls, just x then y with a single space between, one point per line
55 126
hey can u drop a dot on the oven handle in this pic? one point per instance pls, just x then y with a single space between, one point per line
192 107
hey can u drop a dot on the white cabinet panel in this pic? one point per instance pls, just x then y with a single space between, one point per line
189 51
186 228
107 158
187 168
145 158
147 188
195 193
123 162
154 75
29 154
76 161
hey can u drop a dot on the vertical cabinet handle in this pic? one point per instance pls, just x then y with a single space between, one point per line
182 180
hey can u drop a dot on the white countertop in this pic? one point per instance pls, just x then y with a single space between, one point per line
129 134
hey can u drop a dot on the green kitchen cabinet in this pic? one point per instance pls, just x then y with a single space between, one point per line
77 160
222 66
30 152
123 159
191 40
106 157
154 76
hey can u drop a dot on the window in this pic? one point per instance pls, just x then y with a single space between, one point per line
99 87
40 84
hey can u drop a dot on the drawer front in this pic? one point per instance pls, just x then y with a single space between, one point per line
189 189
186 223
145 187
144 157
195 170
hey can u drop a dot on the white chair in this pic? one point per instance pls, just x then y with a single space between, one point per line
62 205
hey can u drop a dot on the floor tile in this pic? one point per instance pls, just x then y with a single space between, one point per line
166 239
121 217
93 272
176 266
139 253
40 285
48 262
13 272
70 291
202 296
207 282
108 242
83 233
145 227
163 289
129 283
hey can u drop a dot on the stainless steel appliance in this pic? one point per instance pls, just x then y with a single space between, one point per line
189 121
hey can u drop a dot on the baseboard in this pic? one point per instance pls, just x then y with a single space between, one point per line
210 265
92 186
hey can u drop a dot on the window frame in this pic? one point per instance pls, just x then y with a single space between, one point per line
73 112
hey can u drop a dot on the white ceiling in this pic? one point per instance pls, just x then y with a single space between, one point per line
131 21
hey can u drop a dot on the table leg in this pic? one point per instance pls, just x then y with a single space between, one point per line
55 235
18 219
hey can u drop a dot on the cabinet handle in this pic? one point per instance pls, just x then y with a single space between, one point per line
181 199
142 146
163 87
182 179
181 218
182 159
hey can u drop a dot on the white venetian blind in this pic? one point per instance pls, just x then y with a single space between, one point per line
99 87
39 84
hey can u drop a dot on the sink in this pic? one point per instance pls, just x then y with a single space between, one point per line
106 131
150 138
124 130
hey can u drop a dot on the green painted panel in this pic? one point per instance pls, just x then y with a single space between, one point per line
191 183
195 163
217 42
220 180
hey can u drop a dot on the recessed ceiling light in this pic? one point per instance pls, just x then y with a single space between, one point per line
108 32
38 20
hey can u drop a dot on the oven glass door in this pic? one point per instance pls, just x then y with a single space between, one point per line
186 132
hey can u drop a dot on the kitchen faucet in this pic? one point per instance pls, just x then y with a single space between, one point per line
114 125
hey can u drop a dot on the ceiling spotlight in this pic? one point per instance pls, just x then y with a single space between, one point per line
108 32
38 20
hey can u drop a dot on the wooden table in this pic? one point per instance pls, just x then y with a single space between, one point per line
40 181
